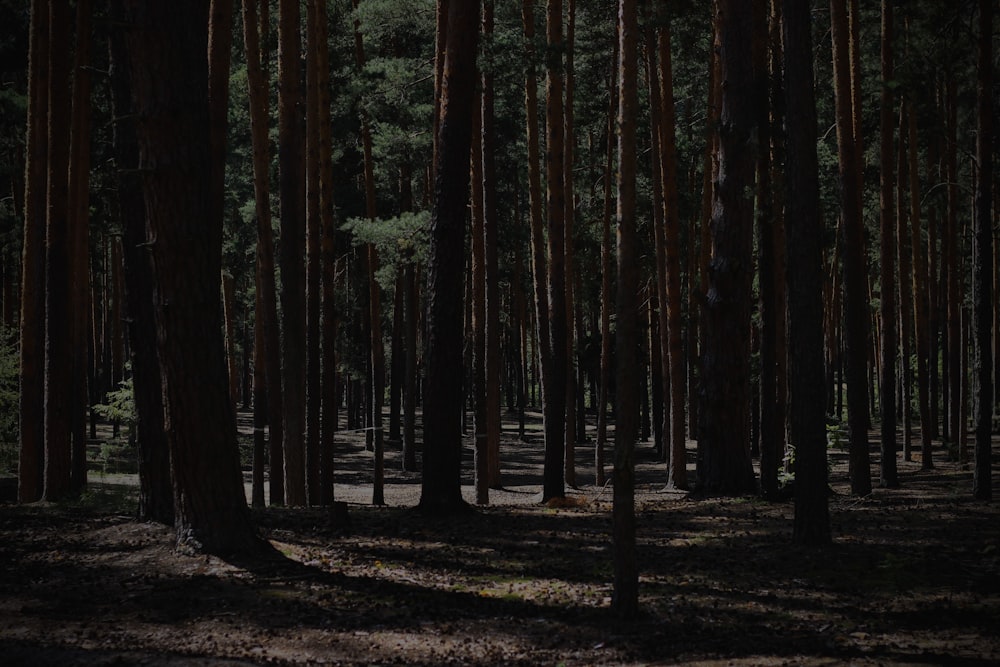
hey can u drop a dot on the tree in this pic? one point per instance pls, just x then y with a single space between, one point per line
156 492
291 185
855 294
441 483
31 413
804 281
167 48
982 260
625 597
58 321
256 50
726 467
887 263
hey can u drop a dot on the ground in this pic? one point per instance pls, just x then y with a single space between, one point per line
913 577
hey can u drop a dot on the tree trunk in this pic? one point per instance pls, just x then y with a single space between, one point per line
291 184
167 47
725 389
58 320
156 495
478 297
259 408
554 382
982 258
410 386
804 280
953 271
921 300
79 222
31 415
229 326
887 264
256 52
855 299
625 596
606 304
569 215
314 15
441 485
905 289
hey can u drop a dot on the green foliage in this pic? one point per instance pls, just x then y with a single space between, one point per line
120 406
400 239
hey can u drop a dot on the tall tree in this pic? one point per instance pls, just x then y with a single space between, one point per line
921 298
856 318
156 495
255 25
58 321
569 216
441 483
725 428
314 15
32 322
625 597
805 281
887 262
291 185
170 77
982 260
554 386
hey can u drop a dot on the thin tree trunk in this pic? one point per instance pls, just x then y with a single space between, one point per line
259 408
256 52
982 261
291 184
229 326
625 596
313 253
905 292
569 216
953 267
478 297
79 223
856 302
921 301
887 263
58 321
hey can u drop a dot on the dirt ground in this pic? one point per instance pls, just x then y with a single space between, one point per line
913 577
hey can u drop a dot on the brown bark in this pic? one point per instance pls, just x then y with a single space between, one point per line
259 408
887 263
921 300
328 258
167 49
905 289
79 224
725 389
291 185
156 495
855 298
58 319
953 276
569 215
314 15
478 298
491 241
256 55
441 482
804 280
554 382
982 259
229 326
625 595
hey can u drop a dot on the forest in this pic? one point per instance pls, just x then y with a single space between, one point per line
477 332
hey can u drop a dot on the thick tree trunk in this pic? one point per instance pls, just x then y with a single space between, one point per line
726 467
167 49
804 280
441 485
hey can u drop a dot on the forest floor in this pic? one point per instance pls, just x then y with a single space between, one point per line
913 577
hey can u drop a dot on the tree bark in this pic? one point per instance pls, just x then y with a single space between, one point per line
31 415
569 215
167 50
805 282
726 467
921 300
256 51
156 495
441 484
856 316
982 260
887 263
315 13
625 595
